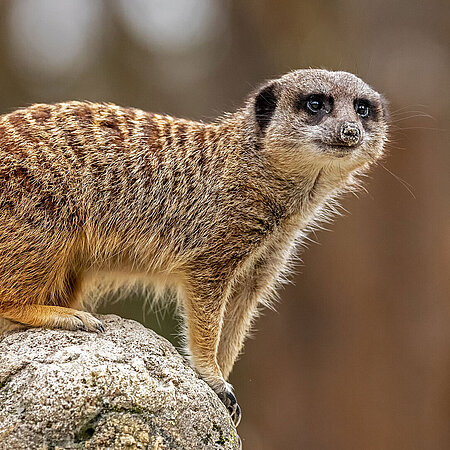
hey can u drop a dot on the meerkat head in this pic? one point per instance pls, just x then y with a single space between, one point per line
319 117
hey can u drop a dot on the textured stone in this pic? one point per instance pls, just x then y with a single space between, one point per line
126 388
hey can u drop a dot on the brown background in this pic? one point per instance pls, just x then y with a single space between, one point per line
358 354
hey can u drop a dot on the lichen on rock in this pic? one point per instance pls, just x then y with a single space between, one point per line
126 388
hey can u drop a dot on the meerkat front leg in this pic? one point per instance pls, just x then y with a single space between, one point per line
204 307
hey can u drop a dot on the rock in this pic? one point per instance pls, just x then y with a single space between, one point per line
126 388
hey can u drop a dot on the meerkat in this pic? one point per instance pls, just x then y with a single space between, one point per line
214 211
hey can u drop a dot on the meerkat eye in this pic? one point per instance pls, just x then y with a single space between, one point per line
362 108
315 103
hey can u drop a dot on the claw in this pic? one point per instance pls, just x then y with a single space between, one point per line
82 327
230 402
89 322
237 415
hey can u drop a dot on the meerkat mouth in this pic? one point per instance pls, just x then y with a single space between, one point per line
337 149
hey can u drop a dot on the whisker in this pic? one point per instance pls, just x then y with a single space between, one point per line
422 115
407 186
405 108
421 128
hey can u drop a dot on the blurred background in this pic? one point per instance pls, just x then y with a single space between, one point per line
358 354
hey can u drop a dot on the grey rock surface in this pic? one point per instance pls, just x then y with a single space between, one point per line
126 388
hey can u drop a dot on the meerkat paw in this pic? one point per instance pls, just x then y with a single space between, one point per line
80 320
47 316
228 398
224 391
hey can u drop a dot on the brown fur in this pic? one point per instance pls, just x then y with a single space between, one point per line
214 210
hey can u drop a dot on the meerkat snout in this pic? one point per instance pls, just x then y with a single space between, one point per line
350 133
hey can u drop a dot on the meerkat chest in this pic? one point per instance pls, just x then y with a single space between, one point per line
312 206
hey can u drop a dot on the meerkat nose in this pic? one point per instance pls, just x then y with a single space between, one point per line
350 133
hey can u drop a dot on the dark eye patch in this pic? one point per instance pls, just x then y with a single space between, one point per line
365 108
316 105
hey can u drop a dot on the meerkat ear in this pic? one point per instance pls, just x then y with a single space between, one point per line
265 104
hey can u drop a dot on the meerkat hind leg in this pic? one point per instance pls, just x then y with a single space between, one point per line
52 317
241 309
9 325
